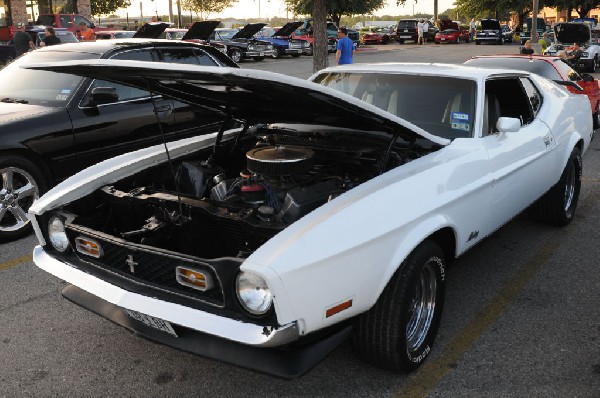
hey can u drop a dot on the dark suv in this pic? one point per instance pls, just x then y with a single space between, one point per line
53 125
407 30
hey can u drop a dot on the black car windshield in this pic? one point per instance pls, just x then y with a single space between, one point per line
39 87
439 105
537 66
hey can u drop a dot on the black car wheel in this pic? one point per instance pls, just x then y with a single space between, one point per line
557 206
278 53
235 54
596 119
397 333
21 182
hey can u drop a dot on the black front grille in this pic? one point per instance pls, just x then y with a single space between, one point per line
149 268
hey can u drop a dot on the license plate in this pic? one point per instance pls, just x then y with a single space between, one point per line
151 321
262 54
406 30
443 39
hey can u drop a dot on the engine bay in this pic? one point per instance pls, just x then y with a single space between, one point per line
227 200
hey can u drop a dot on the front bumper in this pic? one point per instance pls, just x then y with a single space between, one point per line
287 363
190 318
266 53
293 51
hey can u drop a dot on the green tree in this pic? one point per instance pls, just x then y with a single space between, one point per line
204 8
335 9
103 7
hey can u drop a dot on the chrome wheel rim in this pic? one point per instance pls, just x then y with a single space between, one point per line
17 193
421 308
569 185
236 56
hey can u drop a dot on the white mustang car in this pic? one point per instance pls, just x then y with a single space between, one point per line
319 210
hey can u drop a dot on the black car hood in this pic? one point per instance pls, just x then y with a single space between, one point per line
249 30
10 111
254 96
151 30
287 29
490 24
200 30
572 32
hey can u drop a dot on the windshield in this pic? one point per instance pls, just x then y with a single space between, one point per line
439 105
40 87
224 34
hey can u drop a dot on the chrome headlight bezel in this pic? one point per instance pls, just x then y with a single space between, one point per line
253 293
57 235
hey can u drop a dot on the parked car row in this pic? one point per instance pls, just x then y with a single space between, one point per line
37 33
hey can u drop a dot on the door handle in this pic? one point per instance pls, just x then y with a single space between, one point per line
163 110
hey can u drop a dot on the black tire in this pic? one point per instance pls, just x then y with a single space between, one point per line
477 42
21 177
592 68
557 206
595 117
258 58
236 55
278 53
397 333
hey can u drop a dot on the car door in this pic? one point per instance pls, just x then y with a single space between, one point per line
523 161
109 129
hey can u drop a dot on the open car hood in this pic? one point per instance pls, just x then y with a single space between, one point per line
572 32
151 30
287 29
447 24
250 95
490 24
200 30
249 30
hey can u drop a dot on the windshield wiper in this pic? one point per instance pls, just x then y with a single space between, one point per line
14 101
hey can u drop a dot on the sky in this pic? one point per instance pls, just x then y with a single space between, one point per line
271 8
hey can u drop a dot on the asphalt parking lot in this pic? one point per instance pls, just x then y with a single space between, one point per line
522 315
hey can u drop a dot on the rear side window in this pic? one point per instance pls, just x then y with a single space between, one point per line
138 55
535 98
406 24
187 56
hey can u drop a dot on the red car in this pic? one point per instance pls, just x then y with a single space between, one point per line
376 36
550 67
450 32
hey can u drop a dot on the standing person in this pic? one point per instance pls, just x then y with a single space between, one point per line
50 38
543 42
345 48
472 29
87 34
23 41
527 49
420 32
425 30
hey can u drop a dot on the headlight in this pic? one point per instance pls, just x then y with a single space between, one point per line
585 55
253 293
57 235
270 47
250 47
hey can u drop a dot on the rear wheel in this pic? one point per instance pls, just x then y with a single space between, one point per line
397 333
557 206
21 182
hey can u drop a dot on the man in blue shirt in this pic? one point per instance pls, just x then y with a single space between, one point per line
345 48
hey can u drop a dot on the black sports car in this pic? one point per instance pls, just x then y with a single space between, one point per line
53 125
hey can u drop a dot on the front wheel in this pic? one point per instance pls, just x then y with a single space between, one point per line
557 206
21 182
278 53
397 333
236 55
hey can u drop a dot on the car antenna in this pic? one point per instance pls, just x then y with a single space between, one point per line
178 219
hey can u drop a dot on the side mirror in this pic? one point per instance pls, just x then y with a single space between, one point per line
102 95
92 26
508 124
587 78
